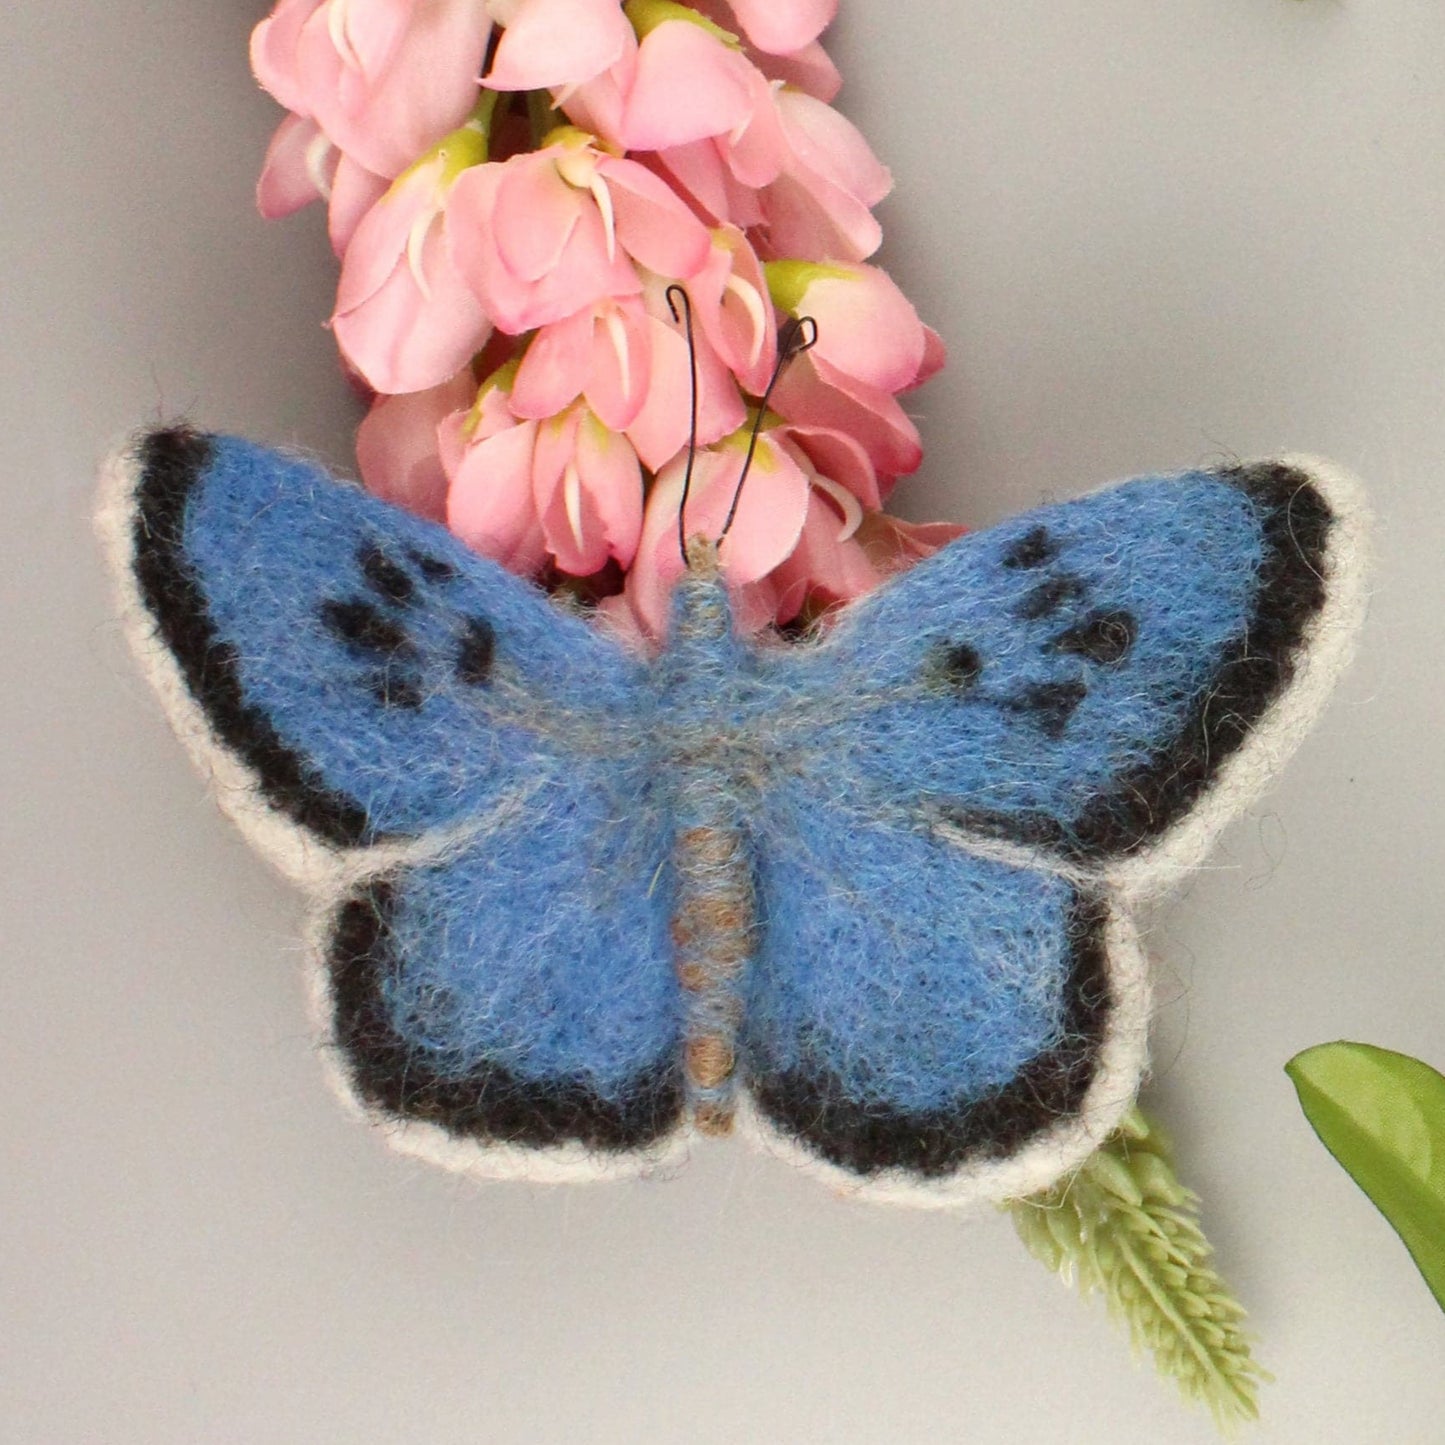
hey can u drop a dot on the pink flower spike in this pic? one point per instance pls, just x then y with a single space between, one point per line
688 85
550 43
299 167
397 449
404 317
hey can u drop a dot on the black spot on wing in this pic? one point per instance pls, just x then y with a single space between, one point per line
1033 549
867 1136
386 578
1050 704
434 569
955 666
1046 599
482 1100
1103 637
172 465
1249 672
356 622
476 652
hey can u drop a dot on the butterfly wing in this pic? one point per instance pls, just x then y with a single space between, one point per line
1008 743
459 769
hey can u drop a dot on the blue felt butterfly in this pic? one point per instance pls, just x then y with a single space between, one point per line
866 896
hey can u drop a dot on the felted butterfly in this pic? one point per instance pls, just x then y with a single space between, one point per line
865 898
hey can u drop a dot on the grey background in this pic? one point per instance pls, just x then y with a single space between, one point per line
1152 233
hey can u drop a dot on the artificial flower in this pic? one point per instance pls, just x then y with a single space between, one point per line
405 318
545 235
383 79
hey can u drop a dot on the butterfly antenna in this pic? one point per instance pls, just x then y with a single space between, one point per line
677 295
798 336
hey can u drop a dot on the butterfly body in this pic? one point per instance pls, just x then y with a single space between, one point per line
869 895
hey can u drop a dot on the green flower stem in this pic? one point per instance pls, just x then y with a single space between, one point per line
1124 1226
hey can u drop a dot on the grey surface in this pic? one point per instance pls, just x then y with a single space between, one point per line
1152 233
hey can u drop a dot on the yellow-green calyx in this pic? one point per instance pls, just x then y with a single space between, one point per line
788 281
458 151
501 379
647 15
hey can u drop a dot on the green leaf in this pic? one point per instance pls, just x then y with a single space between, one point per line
1382 1115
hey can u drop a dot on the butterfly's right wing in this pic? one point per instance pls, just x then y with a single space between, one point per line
459 769
979 770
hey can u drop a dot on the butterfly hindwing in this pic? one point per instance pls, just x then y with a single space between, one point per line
917 1012
521 990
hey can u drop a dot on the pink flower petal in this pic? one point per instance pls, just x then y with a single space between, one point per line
805 215
688 85
731 302
660 429
558 42
769 519
832 147
397 449
582 276
652 223
428 87
809 69
273 52
404 338
842 458
612 480
383 235
490 503
554 367
354 191
867 327
299 165
811 393
619 373
757 150
783 26
935 357
536 214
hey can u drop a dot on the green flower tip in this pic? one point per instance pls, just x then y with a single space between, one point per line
788 281
1125 1227
647 15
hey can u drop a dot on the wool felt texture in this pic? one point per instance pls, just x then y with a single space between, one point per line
865 898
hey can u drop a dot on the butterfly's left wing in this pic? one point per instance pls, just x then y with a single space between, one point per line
458 769
984 762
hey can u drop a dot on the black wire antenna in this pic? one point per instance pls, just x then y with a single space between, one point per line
799 335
